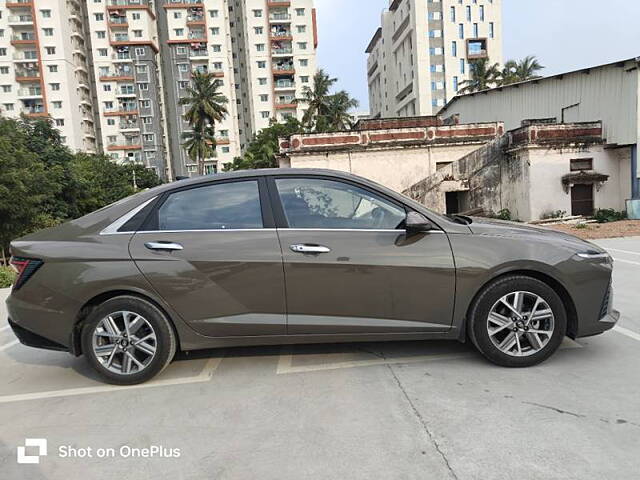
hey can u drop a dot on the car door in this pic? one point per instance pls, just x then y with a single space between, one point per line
350 267
212 252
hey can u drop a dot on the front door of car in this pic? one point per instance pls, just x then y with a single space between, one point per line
351 268
212 253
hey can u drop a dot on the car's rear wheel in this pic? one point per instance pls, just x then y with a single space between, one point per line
128 340
517 321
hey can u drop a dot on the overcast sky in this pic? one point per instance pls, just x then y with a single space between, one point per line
564 34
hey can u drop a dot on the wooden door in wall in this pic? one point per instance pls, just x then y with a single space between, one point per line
582 200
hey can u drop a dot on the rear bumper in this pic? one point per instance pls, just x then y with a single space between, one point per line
31 339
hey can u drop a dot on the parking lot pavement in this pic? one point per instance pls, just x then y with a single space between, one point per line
394 410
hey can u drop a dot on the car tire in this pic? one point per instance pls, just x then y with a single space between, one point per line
494 325
123 358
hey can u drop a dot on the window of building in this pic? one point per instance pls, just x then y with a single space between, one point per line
45 13
99 17
215 31
260 47
143 86
217 65
147 120
6 88
262 64
301 28
140 52
258 30
437 68
216 48
453 14
476 33
148 137
103 52
141 68
135 16
181 50
111 122
482 13
581 164
262 81
461 30
491 30
4 70
468 13
455 84
177 14
54 86
3 52
304 79
436 51
145 103
179 32
106 87
300 12
435 16
265 114
137 33
223 206
50 50
1 32
304 62
257 13
213 13
183 67
48 32
462 65
302 45
57 104
59 122
8 107
108 105
101 34
454 48
435 33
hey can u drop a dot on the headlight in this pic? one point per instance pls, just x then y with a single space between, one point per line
598 256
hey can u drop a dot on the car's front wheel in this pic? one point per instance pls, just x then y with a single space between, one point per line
517 321
128 340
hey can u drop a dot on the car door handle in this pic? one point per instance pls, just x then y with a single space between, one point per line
306 248
163 246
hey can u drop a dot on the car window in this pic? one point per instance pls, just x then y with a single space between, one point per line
223 206
330 204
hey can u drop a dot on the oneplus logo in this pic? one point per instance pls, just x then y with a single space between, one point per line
41 443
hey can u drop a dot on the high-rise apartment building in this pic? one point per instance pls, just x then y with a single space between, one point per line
421 54
44 67
111 73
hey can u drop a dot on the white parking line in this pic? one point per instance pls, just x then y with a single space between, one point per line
626 261
9 345
285 362
622 251
204 376
627 332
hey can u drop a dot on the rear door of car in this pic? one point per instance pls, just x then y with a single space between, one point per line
349 265
212 252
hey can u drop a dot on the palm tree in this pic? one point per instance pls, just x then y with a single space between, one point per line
317 98
483 76
200 145
338 117
205 106
521 71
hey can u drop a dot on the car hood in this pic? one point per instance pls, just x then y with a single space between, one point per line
484 226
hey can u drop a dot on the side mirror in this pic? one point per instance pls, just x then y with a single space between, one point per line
417 223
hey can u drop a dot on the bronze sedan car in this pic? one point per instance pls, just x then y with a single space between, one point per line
297 256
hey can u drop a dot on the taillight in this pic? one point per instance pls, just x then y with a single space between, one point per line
25 268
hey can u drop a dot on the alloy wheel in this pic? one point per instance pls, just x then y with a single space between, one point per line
124 342
520 324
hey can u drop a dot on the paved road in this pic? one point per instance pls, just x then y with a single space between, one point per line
428 410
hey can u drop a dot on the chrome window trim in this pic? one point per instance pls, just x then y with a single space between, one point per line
209 230
226 230
113 228
397 230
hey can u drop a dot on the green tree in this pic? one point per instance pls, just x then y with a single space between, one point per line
338 117
205 106
484 75
262 151
522 70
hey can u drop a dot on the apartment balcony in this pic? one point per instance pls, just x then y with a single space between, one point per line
126 92
284 85
286 51
129 126
183 4
280 17
28 57
284 105
217 73
17 20
125 143
281 35
19 4
25 76
121 57
222 141
284 69
23 39
196 20
121 110
118 76
278 3
34 109
29 92
118 22
199 54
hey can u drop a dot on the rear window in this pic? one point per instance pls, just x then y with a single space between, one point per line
223 206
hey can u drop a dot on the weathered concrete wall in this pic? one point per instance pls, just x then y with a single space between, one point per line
548 166
395 168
